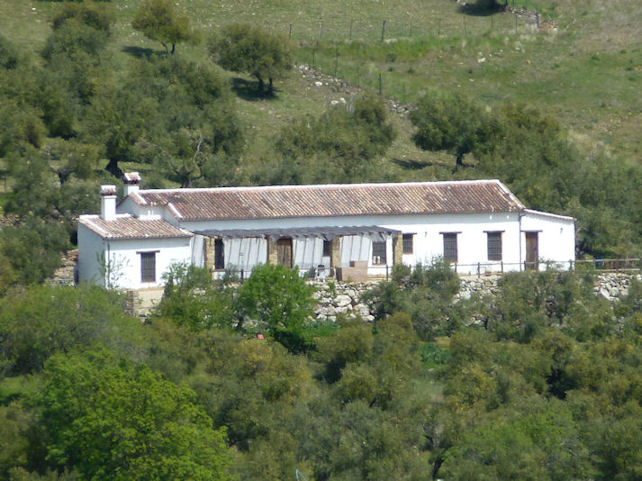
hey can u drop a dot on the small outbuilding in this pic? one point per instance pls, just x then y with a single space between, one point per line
351 231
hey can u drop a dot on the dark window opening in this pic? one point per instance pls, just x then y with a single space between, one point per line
450 247
408 243
327 248
379 253
494 246
219 254
148 266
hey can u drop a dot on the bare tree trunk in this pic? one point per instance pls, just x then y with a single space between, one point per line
113 169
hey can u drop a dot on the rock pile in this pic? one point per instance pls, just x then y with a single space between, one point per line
612 285
340 298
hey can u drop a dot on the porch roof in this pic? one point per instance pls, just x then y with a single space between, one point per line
326 233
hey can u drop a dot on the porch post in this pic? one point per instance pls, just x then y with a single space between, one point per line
209 254
397 249
272 257
335 252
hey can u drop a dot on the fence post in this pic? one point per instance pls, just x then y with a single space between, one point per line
383 30
501 267
478 269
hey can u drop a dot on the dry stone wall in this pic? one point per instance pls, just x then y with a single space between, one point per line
335 298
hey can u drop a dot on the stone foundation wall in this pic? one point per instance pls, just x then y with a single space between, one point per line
342 298
335 298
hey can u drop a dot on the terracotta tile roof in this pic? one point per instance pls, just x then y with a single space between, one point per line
128 227
333 200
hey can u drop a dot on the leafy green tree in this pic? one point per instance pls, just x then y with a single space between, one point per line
279 297
9 56
111 419
159 20
345 140
37 322
182 121
23 128
453 124
538 442
91 14
32 248
73 35
250 49
191 297
426 293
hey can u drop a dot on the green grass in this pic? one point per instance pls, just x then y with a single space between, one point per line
587 73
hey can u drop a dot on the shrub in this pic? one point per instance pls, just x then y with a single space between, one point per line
282 299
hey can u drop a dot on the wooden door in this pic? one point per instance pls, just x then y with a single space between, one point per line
532 250
284 252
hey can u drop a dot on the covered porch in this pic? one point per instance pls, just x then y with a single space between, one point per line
350 253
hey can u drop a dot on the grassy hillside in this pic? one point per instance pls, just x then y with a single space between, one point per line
583 65
578 63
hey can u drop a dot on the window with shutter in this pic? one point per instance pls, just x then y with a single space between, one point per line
450 247
408 243
494 240
148 266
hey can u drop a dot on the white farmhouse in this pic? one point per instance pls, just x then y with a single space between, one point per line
351 230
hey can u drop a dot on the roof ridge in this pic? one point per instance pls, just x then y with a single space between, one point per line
318 186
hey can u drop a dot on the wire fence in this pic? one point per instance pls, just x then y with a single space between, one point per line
345 27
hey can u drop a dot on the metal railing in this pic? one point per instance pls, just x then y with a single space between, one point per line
384 271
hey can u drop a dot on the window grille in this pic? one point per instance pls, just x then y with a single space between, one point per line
494 240
148 266
408 243
450 247
379 253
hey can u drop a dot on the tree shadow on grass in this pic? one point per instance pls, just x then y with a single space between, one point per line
249 90
413 164
482 8
141 52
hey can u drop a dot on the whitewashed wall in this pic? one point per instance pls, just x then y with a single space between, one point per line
556 241
125 260
428 241
90 252
556 237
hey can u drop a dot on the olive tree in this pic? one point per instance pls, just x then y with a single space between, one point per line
250 49
158 20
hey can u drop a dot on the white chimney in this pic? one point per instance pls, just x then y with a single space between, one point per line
108 202
132 182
